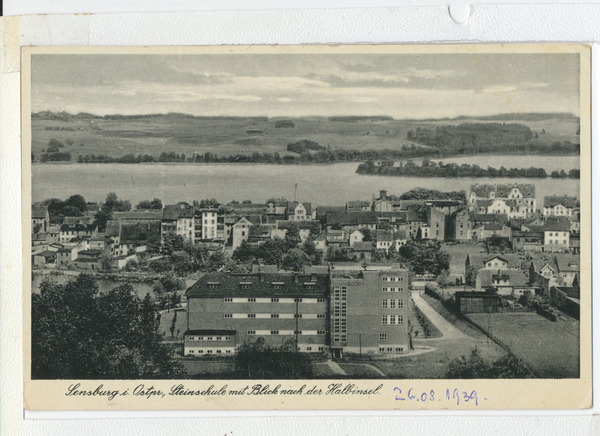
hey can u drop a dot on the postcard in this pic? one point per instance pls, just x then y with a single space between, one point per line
307 227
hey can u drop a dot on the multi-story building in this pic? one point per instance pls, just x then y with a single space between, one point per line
559 205
369 310
178 219
69 232
40 218
520 198
228 310
209 224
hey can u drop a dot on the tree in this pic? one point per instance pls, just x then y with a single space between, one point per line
425 257
443 279
309 247
106 261
295 259
255 360
79 332
216 261
476 367
172 244
113 204
147 204
131 265
101 220
292 236
471 277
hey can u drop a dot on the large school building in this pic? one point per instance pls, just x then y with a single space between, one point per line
351 308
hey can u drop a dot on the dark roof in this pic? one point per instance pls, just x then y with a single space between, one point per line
492 226
46 253
39 212
324 210
209 332
300 224
39 236
261 285
416 216
362 246
90 252
385 235
139 232
567 262
515 277
78 227
357 205
87 260
352 218
291 206
139 215
176 211
502 191
555 200
270 269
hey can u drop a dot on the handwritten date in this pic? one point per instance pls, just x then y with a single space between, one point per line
453 396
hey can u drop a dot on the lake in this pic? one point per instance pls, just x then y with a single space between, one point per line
141 288
320 184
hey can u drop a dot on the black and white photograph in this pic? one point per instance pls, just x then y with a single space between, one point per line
326 216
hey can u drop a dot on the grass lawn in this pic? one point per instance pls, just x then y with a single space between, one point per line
359 370
166 320
550 348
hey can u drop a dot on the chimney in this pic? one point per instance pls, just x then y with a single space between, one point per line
382 194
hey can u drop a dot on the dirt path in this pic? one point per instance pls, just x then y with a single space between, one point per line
336 368
448 330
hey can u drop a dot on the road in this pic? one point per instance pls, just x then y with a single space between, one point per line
448 330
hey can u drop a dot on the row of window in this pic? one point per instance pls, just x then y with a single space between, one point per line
340 293
276 315
392 319
209 338
274 300
339 325
392 304
392 279
392 289
389 350
209 351
339 309
336 338
286 332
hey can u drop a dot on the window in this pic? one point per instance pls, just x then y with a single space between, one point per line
274 332
228 315
213 285
399 349
343 325
384 279
245 286
321 300
297 332
321 348
400 304
400 319
320 332
322 316
218 338
274 300
277 287
392 304
336 292
251 315
392 319
336 338
310 287
251 332
336 326
384 303
384 319
192 351
251 300
308 349
381 349
392 279
227 351
228 300
209 351
218 351
383 336
389 349
297 315
192 338
385 289
344 293
344 309
209 338
297 300
274 315
200 351
344 338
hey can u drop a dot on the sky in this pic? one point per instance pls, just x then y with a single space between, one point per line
403 86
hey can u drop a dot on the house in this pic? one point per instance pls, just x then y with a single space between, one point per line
277 207
358 206
556 235
69 232
561 270
486 231
528 241
297 211
519 194
178 219
363 250
323 211
460 221
209 224
320 241
257 234
280 308
486 261
385 240
46 257
305 228
508 282
355 237
350 221
119 262
40 218
66 255
240 232
568 268
386 203
89 260
555 205
369 311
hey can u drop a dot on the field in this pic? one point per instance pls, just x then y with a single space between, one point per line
550 348
225 136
